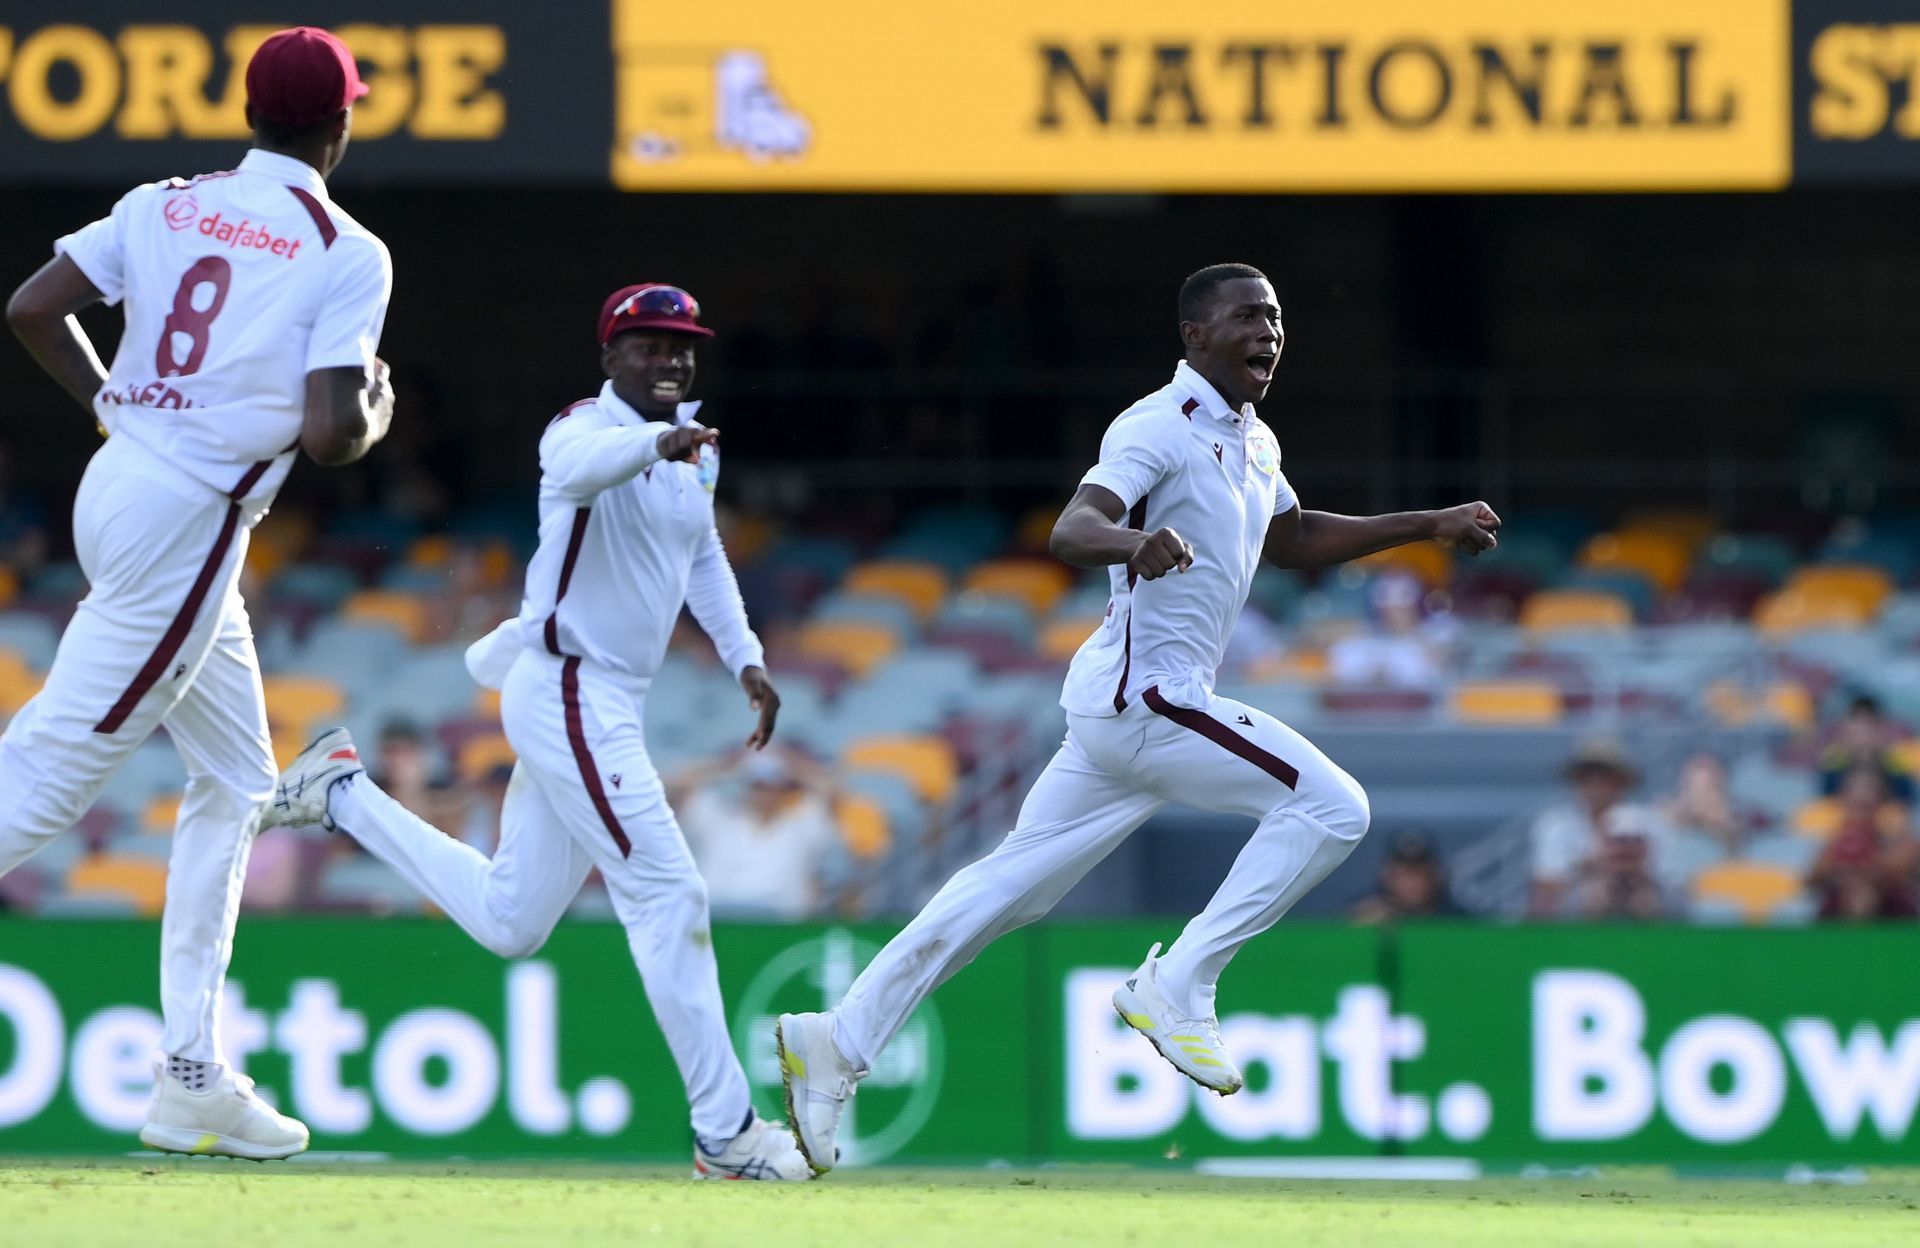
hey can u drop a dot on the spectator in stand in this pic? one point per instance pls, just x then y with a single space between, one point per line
1866 736
1599 855
1702 806
761 843
1413 884
1401 648
407 771
1867 868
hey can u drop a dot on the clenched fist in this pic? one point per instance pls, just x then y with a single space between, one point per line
1471 527
1159 553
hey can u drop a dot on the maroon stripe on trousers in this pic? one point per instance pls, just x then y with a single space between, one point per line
176 634
1222 736
574 539
589 771
1136 519
328 230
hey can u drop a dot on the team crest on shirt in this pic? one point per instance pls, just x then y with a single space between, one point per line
1263 453
708 469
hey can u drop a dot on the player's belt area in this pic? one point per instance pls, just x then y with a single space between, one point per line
1224 737
176 634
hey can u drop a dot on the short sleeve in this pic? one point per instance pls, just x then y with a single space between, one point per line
1135 456
100 249
359 282
1284 499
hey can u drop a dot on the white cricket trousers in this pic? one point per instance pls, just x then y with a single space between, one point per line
1108 777
162 637
584 794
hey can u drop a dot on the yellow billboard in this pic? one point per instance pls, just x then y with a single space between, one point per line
1126 95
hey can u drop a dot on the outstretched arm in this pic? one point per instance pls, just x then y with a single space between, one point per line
1320 539
1089 534
583 460
41 315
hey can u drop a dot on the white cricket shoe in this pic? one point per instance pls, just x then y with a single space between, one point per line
819 1083
226 1119
1191 1044
300 797
763 1151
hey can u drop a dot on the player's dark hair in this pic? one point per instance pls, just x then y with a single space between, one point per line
1196 293
279 135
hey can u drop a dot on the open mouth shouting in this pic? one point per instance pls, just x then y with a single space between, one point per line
1261 364
667 389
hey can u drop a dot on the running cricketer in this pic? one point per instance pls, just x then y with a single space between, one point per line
253 306
1186 499
626 538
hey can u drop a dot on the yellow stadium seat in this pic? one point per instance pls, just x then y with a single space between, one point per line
161 814
141 883
9 586
1036 583
856 645
863 826
1866 587
1061 638
404 613
1817 819
1795 611
297 705
1035 529
277 541
1507 702
748 537
1427 560
18 682
480 755
927 763
1755 887
1660 557
486 703
919 585
1575 610
1693 529
435 550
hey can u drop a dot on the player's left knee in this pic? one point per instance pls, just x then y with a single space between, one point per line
1344 810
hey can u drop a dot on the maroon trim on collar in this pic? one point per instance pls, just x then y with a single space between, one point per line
1187 408
328 230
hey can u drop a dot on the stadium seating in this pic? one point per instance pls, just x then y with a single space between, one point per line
907 657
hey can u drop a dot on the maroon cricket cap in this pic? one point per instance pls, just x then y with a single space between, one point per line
651 305
302 76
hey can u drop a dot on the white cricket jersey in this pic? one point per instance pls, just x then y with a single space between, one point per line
626 539
237 285
1181 457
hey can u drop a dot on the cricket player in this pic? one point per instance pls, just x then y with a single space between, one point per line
1186 499
626 538
253 307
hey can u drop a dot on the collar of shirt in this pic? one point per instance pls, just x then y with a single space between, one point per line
624 412
1210 401
287 169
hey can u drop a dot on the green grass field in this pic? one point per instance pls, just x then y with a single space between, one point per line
156 1203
